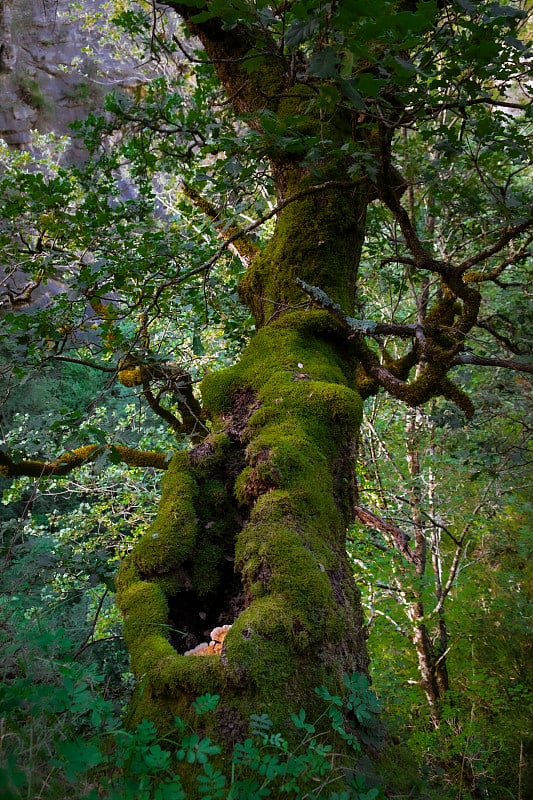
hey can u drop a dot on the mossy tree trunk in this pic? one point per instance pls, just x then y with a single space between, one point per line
252 522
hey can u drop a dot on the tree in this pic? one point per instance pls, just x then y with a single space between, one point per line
320 100
458 496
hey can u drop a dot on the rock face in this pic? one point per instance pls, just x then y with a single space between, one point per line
58 59
56 64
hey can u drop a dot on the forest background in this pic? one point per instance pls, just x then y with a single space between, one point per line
441 546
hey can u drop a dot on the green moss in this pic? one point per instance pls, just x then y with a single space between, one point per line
291 570
215 494
259 643
163 548
217 390
317 239
273 358
206 568
145 610
242 485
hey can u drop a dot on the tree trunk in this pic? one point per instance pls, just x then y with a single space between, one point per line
431 655
251 533
252 522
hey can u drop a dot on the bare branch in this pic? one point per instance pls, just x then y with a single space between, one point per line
189 407
400 538
364 326
84 363
429 517
431 379
460 105
486 324
83 646
506 363
507 236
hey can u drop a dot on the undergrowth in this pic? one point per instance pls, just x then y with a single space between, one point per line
64 687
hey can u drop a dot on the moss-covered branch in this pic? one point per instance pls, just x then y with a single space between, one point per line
67 462
435 348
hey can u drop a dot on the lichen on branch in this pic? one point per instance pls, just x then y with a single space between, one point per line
73 459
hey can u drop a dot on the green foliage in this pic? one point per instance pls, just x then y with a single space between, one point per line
474 470
79 747
62 693
120 230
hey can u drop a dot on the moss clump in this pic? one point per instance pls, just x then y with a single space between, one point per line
161 550
130 376
311 339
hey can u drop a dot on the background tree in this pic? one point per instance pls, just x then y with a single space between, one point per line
322 103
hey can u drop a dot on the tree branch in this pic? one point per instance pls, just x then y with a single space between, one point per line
84 363
227 48
506 363
83 646
206 266
67 462
189 408
486 325
243 246
432 379
506 237
494 274
400 538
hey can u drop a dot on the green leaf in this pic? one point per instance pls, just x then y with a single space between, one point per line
508 11
170 789
324 63
260 724
246 753
78 756
328 96
145 732
350 92
206 704
193 749
370 86
300 723
324 693
212 784
301 31
155 758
